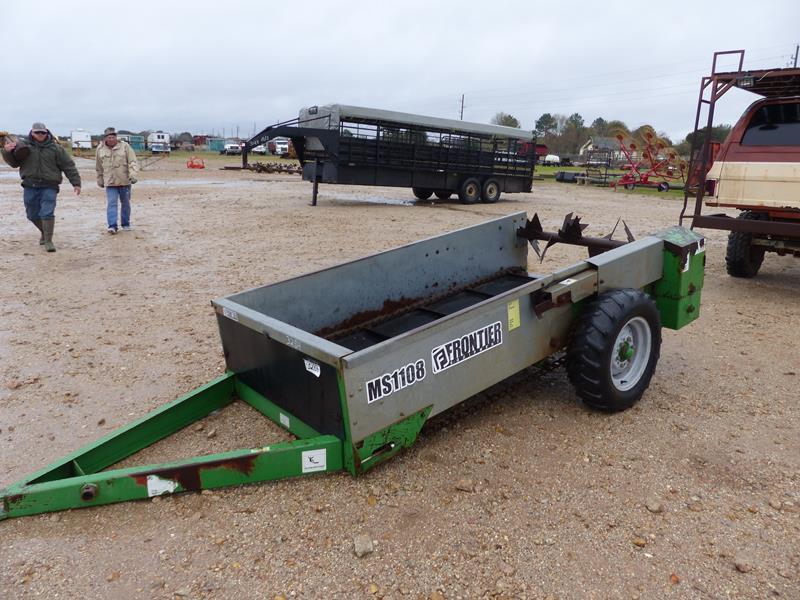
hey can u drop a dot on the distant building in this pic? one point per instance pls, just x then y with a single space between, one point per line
607 145
136 141
215 144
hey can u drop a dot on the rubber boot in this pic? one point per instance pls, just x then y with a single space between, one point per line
38 223
47 231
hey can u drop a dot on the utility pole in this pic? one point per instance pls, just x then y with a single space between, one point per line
462 99
796 49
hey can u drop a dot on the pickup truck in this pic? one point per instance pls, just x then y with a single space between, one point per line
231 148
279 146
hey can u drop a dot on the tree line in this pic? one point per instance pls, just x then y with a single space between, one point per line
564 135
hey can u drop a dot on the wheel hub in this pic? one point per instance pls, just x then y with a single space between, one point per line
631 353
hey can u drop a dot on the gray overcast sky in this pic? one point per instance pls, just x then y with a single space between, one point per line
204 65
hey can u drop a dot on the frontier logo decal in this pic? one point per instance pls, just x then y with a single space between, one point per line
467 346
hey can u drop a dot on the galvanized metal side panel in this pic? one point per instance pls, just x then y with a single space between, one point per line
232 313
332 297
619 268
532 340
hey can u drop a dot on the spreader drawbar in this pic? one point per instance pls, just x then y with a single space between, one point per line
352 362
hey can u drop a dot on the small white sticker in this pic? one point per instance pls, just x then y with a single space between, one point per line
231 314
314 460
284 420
312 367
568 282
156 486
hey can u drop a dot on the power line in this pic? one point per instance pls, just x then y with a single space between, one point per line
499 96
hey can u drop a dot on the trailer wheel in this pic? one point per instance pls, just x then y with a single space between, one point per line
491 191
630 186
421 193
663 186
470 191
443 195
614 350
742 259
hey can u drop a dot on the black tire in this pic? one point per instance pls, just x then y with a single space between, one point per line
663 186
630 186
742 259
598 378
443 195
421 193
470 191
490 192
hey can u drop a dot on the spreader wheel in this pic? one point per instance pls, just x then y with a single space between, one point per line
614 350
630 186
470 191
421 193
663 186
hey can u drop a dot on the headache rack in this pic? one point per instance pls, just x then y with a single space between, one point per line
769 83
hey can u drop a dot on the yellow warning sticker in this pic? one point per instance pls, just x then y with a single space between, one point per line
513 315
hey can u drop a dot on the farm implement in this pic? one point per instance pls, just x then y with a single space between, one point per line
652 165
354 359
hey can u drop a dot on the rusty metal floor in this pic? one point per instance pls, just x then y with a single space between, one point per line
426 312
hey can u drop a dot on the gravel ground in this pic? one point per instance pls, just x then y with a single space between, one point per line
521 492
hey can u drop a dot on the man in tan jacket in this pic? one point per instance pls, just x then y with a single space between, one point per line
117 168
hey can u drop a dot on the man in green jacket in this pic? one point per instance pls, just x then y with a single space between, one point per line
40 168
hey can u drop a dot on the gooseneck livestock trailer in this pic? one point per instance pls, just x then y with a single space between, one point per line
365 146
354 359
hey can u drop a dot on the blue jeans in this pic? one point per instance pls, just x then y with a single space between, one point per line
121 194
40 202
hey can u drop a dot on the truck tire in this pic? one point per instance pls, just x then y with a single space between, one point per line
443 195
421 193
614 349
742 259
490 192
470 191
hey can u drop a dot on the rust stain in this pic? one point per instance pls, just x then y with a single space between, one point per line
189 476
561 300
389 307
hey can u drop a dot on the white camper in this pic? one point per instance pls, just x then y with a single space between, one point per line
81 139
158 141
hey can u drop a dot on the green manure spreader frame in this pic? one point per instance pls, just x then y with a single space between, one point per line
352 360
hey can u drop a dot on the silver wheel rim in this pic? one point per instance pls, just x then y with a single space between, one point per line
472 190
491 190
631 353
